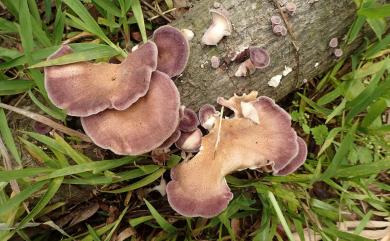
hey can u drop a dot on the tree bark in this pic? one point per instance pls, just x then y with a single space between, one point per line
305 48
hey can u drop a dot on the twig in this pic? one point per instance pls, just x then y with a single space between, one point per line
8 165
46 121
219 132
168 11
77 37
156 11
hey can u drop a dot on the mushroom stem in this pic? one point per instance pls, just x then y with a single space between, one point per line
245 68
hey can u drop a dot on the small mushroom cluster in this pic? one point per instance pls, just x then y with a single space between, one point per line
258 136
188 136
277 26
333 43
130 108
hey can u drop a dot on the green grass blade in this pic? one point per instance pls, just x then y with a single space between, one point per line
59 25
40 34
379 11
90 23
141 183
37 153
109 6
25 30
13 203
375 111
137 11
6 176
93 233
87 167
341 153
52 189
53 112
77 157
7 137
164 224
7 26
280 216
363 169
102 51
15 86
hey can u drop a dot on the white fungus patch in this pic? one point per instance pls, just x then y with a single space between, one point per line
275 80
316 65
286 70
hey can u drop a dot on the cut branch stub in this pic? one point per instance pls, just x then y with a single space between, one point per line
198 186
142 127
84 88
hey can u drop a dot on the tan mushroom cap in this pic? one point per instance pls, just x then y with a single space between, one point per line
142 127
84 88
173 50
198 186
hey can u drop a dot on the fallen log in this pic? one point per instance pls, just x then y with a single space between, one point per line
305 48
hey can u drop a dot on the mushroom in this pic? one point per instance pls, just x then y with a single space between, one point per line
333 43
291 8
215 62
220 27
189 120
171 140
84 88
297 161
173 50
198 186
189 141
258 59
338 53
142 127
188 34
279 30
276 20
207 116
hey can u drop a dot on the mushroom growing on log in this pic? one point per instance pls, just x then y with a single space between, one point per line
305 44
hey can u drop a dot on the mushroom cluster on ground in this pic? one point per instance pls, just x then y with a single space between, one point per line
130 108
258 136
134 108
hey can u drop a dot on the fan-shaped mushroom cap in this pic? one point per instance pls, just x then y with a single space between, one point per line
173 50
297 161
207 116
220 27
142 127
171 140
189 120
198 186
189 141
84 88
